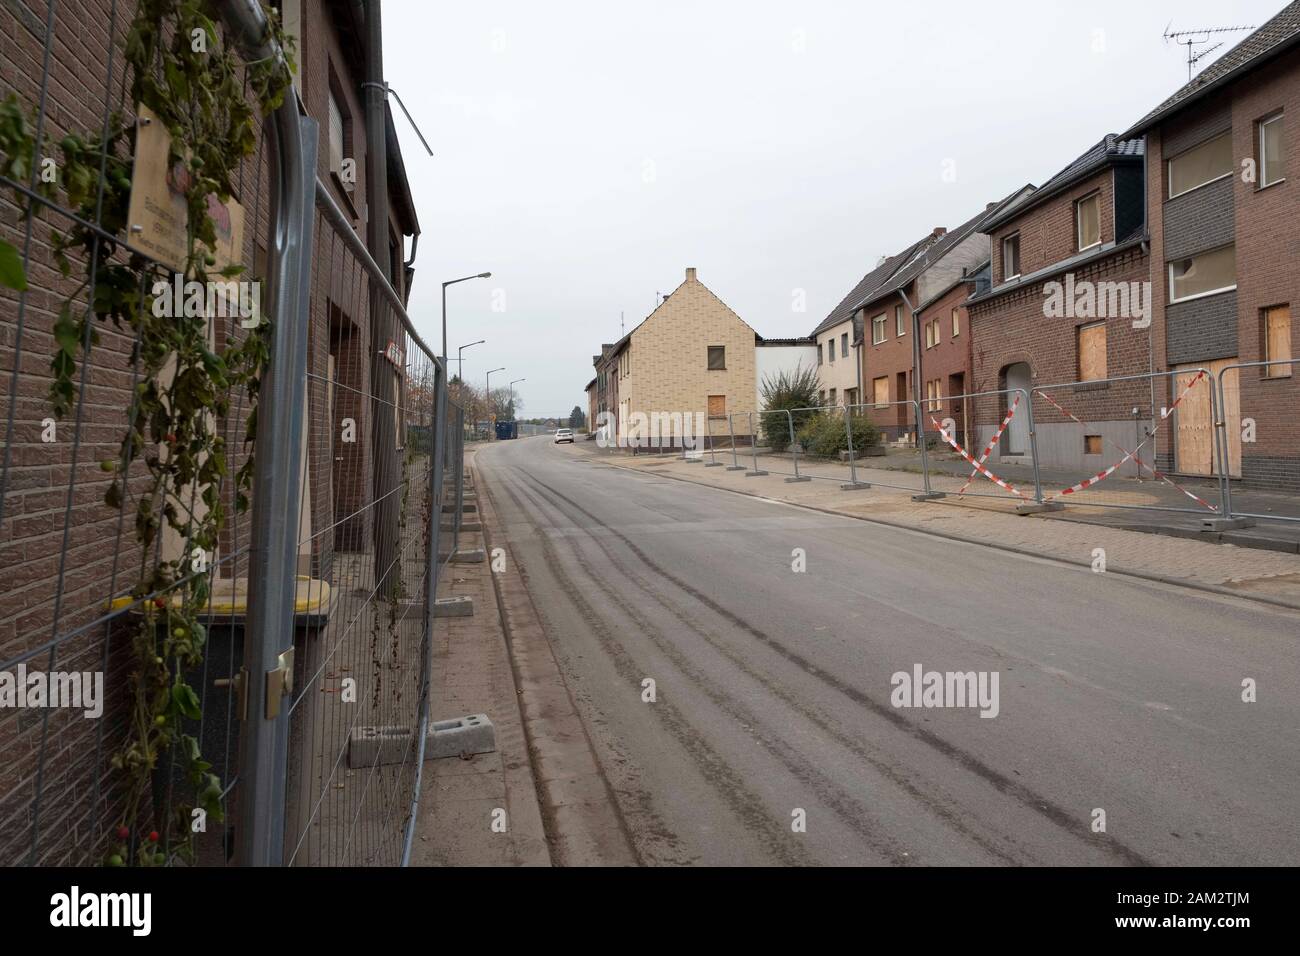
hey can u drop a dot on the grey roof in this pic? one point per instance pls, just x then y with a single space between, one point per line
1057 268
866 285
1111 149
803 340
1276 36
935 251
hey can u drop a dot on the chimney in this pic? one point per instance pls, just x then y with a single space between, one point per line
690 274
939 231
989 206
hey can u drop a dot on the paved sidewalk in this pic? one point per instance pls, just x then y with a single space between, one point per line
472 674
1263 574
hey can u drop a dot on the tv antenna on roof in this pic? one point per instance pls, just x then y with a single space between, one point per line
1194 38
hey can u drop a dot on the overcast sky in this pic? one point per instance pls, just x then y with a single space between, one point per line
587 153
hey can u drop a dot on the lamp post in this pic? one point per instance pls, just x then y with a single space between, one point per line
487 397
512 395
481 275
460 360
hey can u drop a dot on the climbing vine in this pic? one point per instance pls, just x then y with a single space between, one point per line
182 70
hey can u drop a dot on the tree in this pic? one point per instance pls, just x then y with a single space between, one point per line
789 390
577 419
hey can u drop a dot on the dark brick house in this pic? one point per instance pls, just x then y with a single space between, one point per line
1054 312
1223 208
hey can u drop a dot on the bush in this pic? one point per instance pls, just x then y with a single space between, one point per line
824 435
787 390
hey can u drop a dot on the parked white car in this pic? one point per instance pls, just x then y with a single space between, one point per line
564 434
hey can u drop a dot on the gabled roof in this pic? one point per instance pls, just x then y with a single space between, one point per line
1110 150
868 284
622 343
1275 37
932 253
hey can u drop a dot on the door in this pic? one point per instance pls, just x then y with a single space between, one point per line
1194 425
1017 434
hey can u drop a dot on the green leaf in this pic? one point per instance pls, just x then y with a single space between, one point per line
186 701
12 273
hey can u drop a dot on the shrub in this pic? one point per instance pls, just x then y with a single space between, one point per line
824 435
787 391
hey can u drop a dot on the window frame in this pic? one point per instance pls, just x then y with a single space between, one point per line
878 324
1169 277
1263 159
844 345
709 366
1094 196
1014 237
900 329
956 321
1169 166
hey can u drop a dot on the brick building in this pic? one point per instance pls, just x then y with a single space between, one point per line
1038 324
1225 253
62 568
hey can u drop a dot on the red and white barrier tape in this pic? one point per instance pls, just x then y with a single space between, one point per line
978 465
1103 475
988 450
1140 463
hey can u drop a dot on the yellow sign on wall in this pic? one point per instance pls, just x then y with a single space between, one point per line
157 214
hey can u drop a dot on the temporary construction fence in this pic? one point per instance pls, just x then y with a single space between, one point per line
246 667
1168 441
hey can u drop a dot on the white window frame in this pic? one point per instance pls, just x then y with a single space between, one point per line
1169 275
1263 159
900 329
878 329
1078 221
1006 239
956 321
1169 168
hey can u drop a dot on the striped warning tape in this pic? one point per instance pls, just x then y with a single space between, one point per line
1140 463
1103 475
988 449
977 465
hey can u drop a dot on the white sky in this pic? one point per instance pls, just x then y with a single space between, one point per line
586 153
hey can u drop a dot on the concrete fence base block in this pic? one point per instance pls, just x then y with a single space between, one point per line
855 486
713 464
468 506
755 474
735 468
464 526
930 496
461 605
792 480
461 736
469 556
1226 524
1035 508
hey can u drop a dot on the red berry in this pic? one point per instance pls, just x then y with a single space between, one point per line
123 833
171 437
153 836
159 602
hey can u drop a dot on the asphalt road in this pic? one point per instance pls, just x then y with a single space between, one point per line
773 686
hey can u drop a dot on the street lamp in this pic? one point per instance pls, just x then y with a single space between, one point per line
487 398
481 275
460 361
512 395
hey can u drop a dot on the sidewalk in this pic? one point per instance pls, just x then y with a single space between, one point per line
472 674
1071 535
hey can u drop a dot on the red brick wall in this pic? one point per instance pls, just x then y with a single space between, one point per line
1047 232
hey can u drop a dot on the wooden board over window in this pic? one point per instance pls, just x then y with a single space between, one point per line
1194 425
880 390
1092 352
1277 341
717 406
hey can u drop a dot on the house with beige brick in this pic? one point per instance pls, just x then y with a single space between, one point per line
684 375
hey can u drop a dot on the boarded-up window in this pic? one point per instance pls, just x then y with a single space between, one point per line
1092 352
932 392
1277 341
880 390
717 357
717 406
1092 444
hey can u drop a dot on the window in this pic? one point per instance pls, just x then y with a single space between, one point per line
336 135
1204 274
878 329
717 358
844 345
1087 221
832 396
956 322
880 391
830 350
899 328
1092 444
1200 165
932 394
1277 341
932 333
717 406
850 396
1092 352
1011 257
820 352
1272 158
